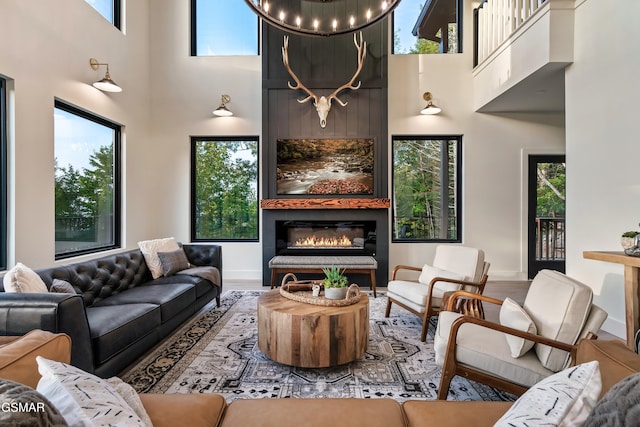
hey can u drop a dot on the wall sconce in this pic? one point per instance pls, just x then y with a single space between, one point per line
222 110
106 84
431 108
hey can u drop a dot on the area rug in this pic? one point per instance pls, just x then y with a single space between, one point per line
217 352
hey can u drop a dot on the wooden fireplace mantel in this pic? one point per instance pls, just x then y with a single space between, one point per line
342 203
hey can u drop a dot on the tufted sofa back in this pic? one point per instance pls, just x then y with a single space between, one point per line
102 277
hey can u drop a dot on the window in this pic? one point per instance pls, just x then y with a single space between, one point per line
426 188
419 26
4 188
110 9
223 27
224 188
87 182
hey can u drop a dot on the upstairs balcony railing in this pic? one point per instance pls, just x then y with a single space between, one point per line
496 20
550 239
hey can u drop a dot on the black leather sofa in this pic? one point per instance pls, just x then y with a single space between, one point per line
119 311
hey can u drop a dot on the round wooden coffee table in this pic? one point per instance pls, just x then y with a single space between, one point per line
311 336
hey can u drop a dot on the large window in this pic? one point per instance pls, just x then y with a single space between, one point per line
426 188
224 188
427 26
110 9
223 27
87 182
3 175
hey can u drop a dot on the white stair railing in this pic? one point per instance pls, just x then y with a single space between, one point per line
497 20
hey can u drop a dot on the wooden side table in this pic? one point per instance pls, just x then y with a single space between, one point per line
631 287
311 336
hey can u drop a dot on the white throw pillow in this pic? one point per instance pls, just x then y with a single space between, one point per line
22 279
150 249
132 398
429 272
562 399
83 399
514 316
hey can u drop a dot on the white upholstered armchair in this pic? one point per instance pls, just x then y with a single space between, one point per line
454 268
529 343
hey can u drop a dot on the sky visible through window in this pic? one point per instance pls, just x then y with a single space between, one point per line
405 17
105 7
76 139
226 27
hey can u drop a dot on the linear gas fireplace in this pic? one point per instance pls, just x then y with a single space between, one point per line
325 237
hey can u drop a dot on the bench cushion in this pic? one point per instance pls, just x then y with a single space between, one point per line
292 261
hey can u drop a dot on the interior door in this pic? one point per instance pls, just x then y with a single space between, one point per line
546 219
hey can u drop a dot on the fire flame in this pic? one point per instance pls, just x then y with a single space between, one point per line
323 242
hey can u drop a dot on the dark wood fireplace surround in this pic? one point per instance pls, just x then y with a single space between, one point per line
324 64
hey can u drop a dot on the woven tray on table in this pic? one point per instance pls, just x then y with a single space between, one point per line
302 291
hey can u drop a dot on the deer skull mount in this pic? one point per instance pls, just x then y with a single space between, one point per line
322 103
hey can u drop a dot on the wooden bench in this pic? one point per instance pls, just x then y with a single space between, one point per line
283 264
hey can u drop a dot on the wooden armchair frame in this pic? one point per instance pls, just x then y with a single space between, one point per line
429 309
451 367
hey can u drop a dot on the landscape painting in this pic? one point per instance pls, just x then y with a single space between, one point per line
325 166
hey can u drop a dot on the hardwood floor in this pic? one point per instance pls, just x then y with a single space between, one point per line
500 289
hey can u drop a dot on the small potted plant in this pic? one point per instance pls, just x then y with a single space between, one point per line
628 239
335 283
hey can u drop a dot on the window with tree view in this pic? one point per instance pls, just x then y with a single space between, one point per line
427 26
426 188
224 193
87 176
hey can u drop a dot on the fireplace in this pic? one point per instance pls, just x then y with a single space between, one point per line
325 237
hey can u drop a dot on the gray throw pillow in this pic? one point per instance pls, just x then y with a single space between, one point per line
62 287
173 261
24 406
619 407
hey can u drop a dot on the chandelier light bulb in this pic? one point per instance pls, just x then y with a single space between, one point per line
384 5
352 22
368 14
315 24
335 24
282 15
298 21
266 6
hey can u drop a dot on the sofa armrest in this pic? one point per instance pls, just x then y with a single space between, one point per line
201 254
53 312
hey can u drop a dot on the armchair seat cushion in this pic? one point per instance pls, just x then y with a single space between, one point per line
487 350
413 294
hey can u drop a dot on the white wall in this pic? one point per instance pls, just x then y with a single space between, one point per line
603 183
185 91
45 51
495 147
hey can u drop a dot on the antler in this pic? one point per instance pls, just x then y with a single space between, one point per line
362 54
299 85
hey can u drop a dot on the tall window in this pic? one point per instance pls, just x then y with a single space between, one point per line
224 188
110 9
223 27
87 182
426 188
3 175
427 26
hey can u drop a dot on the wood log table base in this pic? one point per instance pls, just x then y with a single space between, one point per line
311 336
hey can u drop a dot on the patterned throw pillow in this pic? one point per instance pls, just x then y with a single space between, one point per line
61 287
562 399
82 398
24 406
173 261
150 249
22 279
514 316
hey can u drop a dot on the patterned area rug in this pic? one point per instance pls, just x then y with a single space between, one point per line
217 352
